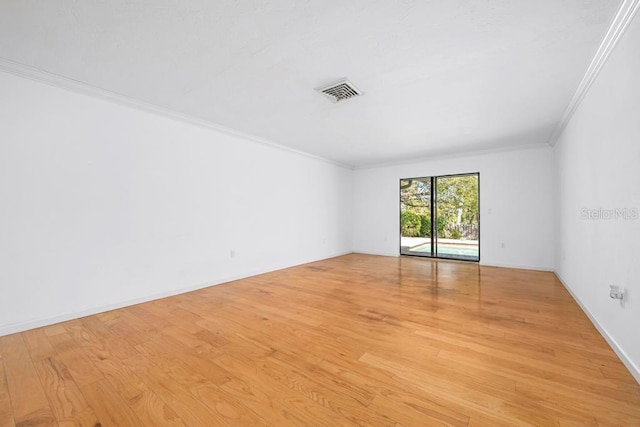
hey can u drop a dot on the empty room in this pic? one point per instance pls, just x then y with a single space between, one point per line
319 213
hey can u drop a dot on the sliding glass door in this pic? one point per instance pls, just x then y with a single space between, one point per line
416 202
439 216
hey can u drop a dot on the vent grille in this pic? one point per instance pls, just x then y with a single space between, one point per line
340 91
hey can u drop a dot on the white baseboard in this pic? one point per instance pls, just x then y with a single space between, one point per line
395 255
520 267
516 266
628 363
13 328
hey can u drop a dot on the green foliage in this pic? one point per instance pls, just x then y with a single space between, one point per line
414 225
458 199
455 234
410 224
441 224
415 196
425 226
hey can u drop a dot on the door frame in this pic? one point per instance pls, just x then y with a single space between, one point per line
434 216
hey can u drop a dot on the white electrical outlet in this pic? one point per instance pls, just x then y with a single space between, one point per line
615 292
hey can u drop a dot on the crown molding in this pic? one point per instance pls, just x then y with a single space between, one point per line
455 155
620 23
61 82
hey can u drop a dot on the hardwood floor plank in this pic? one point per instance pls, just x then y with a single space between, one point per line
172 384
28 401
166 349
100 346
128 328
232 410
475 401
286 408
6 413
38 344
86 418
54 329
146 404
352 340
66 399
397 392
416 412
79 364
346 401
107 404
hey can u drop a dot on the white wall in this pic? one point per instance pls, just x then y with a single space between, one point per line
103 205
515 205
597 165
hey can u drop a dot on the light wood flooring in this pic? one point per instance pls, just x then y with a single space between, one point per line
354 340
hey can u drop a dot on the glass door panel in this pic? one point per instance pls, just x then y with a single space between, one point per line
457 235
416 200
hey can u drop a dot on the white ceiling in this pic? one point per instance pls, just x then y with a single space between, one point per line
439 76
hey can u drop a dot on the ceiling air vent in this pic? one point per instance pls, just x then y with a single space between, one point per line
340 91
